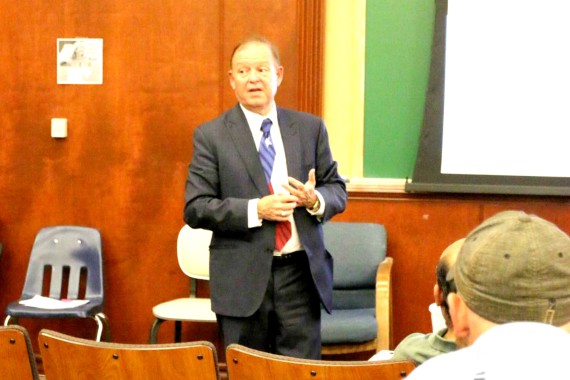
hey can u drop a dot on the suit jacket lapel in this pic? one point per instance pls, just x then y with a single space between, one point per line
290 136
245 146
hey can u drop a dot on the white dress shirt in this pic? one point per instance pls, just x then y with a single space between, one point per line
279 175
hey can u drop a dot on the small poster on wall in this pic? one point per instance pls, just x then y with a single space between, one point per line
79 61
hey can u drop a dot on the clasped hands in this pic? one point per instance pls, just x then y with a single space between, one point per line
280 206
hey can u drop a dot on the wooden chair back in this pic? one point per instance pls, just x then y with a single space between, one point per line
69 358
245 363
17 359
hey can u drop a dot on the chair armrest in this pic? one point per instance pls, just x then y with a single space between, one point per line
384 304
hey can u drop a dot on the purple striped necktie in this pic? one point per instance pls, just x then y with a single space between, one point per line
267 157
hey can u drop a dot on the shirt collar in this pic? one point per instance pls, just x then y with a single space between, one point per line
254 119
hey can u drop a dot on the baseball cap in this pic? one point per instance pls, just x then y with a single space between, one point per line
515 267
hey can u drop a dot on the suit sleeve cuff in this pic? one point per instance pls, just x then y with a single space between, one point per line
321 210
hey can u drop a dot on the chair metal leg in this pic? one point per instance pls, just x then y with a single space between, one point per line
153 338
177 331
102 326
10 320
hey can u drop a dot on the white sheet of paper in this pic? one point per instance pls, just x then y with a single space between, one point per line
52 303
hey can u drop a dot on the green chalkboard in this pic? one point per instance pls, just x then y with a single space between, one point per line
398 51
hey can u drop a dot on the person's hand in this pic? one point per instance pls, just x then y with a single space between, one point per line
305 193
277 207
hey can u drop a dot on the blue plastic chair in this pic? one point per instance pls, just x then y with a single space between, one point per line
361 319
73 255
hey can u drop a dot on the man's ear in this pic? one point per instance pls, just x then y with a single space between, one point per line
437 295
279 71
459 315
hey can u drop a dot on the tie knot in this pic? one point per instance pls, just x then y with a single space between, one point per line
266 126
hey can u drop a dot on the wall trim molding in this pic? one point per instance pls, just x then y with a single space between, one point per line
376 185
310 41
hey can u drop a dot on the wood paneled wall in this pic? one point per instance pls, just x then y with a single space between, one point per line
123 166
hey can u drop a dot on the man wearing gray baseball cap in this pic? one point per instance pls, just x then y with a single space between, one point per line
512 306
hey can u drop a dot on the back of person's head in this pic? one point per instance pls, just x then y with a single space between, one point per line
445 287
515 267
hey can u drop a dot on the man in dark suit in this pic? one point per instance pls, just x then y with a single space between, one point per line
264 193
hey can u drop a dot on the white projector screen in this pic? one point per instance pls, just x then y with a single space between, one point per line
507 88
497 115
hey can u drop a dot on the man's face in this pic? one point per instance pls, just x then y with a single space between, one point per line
255 77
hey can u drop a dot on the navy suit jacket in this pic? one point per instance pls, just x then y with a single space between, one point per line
225 173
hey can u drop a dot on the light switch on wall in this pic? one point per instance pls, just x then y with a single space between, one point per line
59 128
